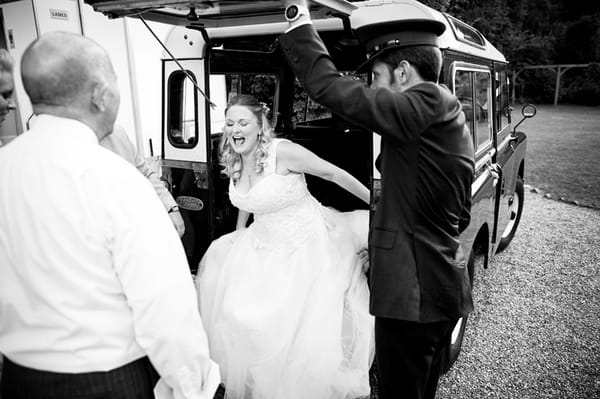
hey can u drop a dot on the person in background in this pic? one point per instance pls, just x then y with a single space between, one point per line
418 279
119 143
7 85
96 298
285 300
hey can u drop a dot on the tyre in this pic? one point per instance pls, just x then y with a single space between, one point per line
454 344
515 208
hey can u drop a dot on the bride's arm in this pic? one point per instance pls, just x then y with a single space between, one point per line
298 159
242 219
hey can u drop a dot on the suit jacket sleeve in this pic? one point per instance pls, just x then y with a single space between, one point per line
465 216
399 115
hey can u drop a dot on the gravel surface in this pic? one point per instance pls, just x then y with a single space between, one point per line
535 332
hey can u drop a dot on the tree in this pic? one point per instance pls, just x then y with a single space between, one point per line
538 32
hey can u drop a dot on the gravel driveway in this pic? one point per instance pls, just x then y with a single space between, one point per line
535 332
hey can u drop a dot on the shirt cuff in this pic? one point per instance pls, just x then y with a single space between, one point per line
188 388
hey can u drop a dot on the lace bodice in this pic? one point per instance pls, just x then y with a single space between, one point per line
284 211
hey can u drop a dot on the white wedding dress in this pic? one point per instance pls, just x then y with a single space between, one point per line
284 301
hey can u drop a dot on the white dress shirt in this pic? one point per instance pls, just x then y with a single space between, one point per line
92 273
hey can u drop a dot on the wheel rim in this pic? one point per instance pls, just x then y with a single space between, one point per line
456 331
513 209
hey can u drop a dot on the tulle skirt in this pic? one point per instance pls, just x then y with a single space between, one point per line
290 321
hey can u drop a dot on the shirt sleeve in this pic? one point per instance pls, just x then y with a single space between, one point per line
165 196
151 266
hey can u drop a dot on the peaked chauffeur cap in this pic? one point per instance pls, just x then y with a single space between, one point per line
382 37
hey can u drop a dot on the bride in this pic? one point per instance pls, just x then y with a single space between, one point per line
285 300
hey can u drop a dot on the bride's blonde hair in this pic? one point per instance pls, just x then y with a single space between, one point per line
229 159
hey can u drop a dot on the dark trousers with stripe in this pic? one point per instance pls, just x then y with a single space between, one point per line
134 380
409 357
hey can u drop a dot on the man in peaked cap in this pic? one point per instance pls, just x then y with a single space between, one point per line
419 280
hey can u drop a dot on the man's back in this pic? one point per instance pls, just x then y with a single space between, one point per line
61 211
96 295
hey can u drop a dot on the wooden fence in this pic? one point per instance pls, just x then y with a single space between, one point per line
558 69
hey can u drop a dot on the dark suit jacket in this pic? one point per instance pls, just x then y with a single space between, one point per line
418 269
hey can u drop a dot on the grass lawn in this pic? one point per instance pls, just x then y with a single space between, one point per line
563 152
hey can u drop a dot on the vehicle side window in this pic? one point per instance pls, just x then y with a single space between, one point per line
264 87
182 111
474 90
463 89
306 110
483 104
502 99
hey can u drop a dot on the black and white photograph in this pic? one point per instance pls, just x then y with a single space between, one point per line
299 199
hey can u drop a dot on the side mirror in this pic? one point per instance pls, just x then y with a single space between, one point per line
528 111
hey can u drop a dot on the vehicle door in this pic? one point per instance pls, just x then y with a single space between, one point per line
215 12
473 87
186 156
505 154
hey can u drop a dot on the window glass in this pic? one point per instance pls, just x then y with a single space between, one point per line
183 104
306 110
502 99
482 103
463 89
466 33
224 86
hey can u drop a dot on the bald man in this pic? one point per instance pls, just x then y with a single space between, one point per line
96 299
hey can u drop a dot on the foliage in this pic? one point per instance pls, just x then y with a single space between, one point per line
539 32
579 44
583 88
539 86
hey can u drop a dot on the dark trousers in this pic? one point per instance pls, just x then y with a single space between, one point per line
409 357
134 380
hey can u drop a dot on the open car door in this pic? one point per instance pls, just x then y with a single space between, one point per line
217 13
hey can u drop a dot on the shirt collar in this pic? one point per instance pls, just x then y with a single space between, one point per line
79 129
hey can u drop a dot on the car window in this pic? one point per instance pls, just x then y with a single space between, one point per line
306 110
474 90
182 112
482 103
463 89
503 100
